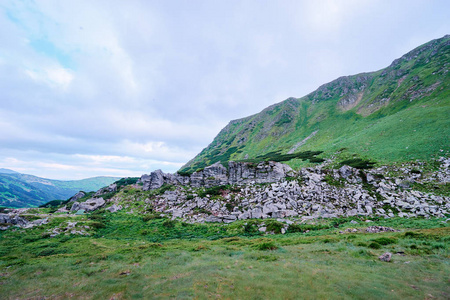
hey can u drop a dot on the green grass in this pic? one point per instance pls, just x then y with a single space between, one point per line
177 260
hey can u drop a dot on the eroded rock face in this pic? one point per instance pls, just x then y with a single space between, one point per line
263 172
306 195
217 174
90 205
274 190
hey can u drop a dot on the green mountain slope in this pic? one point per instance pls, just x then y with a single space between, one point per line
22 190
399 113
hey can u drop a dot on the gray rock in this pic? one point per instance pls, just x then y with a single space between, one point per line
77 196
62 210
109 189
346 171
114 208
386 257
14 220
90 205
39 222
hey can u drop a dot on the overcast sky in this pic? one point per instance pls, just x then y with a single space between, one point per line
121 88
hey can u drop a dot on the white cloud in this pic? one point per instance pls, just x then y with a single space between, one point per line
122 87
55 77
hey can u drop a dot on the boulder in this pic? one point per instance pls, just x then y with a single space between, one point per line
90 205
386 257
109 189
113 208
14 220
153 181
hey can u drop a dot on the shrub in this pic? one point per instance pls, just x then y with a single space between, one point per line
169 223
213 191
184 173
385 241
126 181
274 226
332 181
229 206
97 217
250 227
374 245
31 238
266 246
358 163
164 188
278 157
151 217
97 225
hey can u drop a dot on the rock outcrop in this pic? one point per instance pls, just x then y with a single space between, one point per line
217 174
7 220
312 192
77 196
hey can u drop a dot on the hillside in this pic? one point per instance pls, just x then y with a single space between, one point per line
396 114
22 190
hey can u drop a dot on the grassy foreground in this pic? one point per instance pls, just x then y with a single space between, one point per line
126 257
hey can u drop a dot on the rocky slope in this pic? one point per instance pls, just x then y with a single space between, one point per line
271 190
399 113
311 193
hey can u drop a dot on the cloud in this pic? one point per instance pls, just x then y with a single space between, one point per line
121 87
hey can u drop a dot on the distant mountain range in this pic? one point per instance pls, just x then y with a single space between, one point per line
400 113
23 190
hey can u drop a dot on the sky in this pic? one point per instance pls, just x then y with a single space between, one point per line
122 88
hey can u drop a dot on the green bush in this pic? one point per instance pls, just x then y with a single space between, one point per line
169 223
126 181
212 191
385 241
374 245
358 163
332 181
266 246
274 226
181 173
278 157
97 225
149 217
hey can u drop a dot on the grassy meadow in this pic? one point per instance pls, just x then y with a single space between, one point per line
130 257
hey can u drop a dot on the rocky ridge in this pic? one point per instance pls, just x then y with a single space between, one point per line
310 193
273 190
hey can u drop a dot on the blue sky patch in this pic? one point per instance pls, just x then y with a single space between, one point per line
49 49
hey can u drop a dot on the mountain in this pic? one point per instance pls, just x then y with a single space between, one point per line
7 171
399 113
22 190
